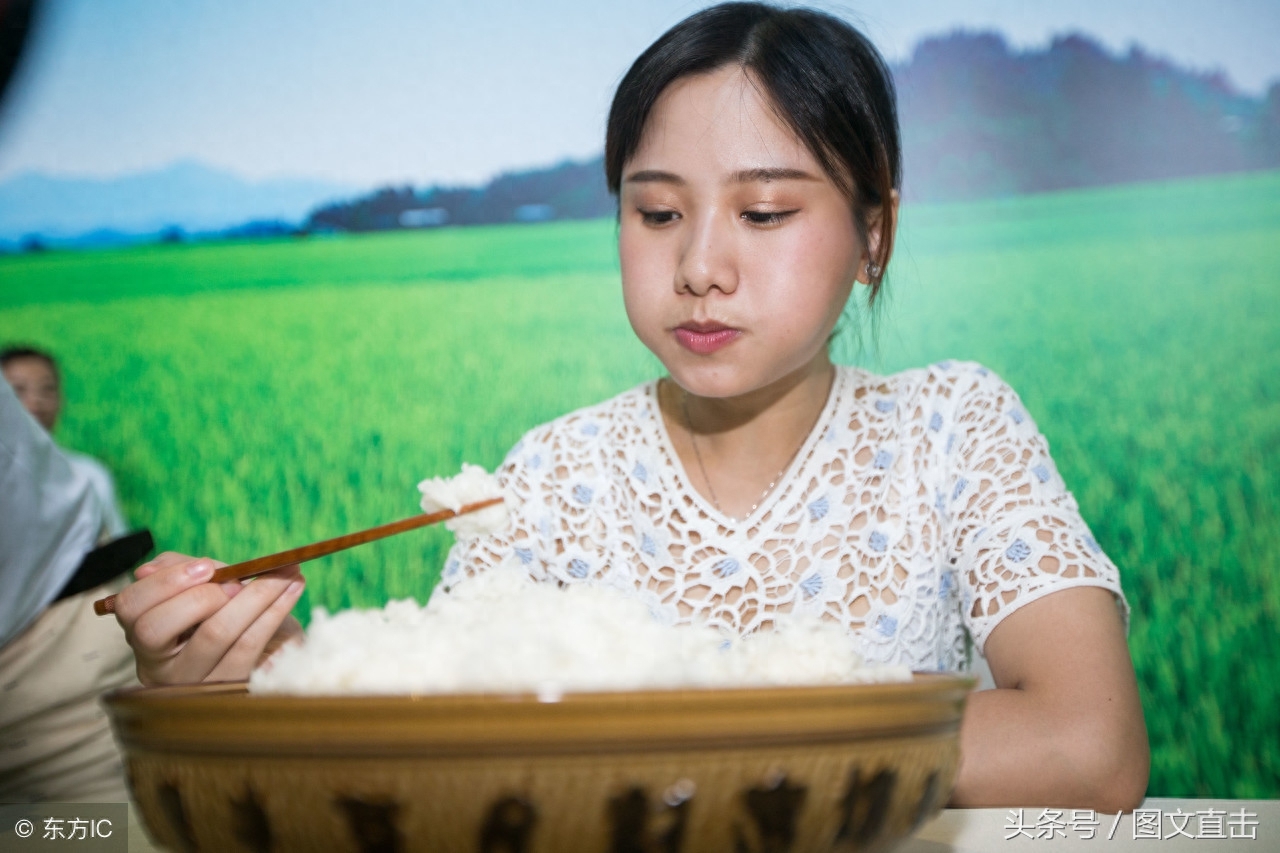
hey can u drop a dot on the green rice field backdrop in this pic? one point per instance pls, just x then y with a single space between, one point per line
254 396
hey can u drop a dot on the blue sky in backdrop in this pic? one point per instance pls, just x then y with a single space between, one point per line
371 93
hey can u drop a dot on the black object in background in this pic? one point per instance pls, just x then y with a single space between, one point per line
17 20
109 562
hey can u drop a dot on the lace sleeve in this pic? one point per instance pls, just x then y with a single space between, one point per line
1015 533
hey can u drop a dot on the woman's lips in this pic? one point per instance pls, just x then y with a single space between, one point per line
705 338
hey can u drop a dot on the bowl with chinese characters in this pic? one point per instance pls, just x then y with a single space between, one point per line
832 768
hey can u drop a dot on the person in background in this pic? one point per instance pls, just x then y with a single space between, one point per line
56 656
33 373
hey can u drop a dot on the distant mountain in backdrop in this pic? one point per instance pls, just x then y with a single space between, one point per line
187 196
570 190
979 119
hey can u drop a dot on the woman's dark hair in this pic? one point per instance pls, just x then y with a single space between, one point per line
826 82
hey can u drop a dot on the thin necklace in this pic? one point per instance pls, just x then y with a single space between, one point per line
697 454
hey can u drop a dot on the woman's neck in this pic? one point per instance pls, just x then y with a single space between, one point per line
734 450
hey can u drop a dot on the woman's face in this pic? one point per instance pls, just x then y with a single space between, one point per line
738 251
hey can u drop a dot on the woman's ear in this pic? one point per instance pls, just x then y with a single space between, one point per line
880 234
881 230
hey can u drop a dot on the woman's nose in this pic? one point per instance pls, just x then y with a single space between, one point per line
709 258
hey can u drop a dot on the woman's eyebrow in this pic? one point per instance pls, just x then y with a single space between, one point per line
751 176
746 176
654 176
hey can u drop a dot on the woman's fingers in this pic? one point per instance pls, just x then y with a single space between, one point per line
161 584
158 633
245 654
231 639
184 629
158 611
290 630
160 561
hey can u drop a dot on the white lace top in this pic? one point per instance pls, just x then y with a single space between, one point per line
922 509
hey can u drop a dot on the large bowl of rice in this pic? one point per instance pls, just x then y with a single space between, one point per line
508 715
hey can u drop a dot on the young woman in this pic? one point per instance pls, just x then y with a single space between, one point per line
755 156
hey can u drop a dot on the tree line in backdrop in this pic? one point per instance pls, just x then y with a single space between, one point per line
978 120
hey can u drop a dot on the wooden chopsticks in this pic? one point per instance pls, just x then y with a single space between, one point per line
261 565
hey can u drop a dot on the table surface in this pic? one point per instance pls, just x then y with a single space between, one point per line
984 830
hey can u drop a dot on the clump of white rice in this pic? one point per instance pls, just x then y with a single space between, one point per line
503 632
471 486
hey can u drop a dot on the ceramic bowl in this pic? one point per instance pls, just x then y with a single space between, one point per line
844 768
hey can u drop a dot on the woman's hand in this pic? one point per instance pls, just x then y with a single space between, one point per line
184 629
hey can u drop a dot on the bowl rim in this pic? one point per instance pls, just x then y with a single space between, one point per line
922 682
224 718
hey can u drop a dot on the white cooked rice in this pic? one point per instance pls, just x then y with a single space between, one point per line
473 485
502 632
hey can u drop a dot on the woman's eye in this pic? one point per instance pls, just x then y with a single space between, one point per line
658 217
766 217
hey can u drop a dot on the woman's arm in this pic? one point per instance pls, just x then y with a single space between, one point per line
1064 725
